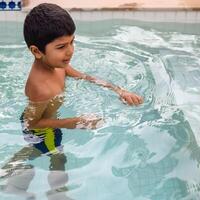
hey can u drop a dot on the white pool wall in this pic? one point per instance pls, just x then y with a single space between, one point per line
180 16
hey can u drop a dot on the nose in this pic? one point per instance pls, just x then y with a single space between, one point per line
70 50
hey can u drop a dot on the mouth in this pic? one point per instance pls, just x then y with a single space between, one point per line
66 61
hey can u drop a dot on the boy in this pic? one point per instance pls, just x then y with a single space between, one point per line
49 34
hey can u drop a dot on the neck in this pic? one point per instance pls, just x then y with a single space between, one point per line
39 64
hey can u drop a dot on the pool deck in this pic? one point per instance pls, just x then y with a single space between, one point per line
81 5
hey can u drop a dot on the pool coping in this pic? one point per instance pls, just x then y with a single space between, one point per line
124 9
111 5
117 5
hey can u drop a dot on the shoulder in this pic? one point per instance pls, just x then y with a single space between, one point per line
37 92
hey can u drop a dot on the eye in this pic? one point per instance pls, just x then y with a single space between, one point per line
61 47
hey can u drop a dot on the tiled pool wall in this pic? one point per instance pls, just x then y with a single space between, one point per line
10 5
10 10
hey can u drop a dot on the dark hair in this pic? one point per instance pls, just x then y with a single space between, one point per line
45 23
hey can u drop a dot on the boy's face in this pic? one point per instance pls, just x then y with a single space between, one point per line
59 52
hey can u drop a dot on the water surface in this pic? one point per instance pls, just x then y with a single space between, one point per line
149 152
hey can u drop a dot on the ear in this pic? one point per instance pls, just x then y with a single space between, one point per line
36 52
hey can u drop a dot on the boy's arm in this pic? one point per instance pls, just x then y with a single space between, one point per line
33 119
128 97
69 123
83 122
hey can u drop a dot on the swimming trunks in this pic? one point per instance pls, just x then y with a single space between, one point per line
47 140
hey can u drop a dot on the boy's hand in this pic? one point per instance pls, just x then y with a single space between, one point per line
89 121
130 98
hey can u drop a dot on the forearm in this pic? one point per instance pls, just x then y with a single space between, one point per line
69 123
125 96
79 75
103 83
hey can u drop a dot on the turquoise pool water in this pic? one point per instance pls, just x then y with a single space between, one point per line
150 152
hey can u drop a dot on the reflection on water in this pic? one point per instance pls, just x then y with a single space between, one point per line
148 152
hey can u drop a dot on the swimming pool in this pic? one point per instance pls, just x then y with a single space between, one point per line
150 152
